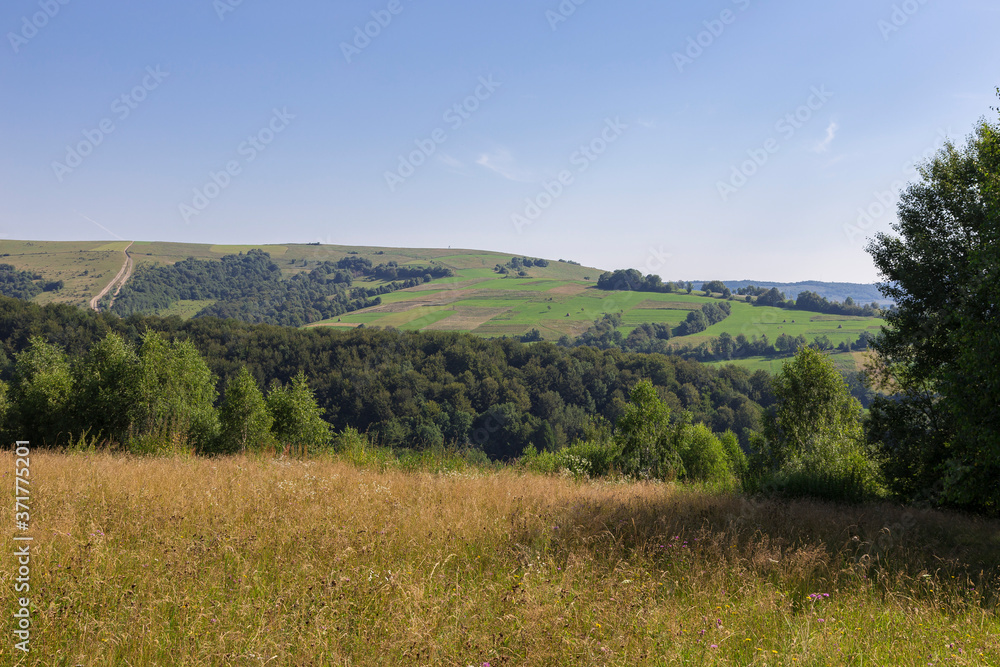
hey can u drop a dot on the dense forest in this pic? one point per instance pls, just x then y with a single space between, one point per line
656 337
414 389
250 288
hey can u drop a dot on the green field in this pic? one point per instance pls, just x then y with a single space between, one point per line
500 306
560 299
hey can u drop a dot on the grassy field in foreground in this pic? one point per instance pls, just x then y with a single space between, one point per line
239 561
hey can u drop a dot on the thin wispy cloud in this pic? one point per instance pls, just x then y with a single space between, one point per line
502 163
450 161
831 134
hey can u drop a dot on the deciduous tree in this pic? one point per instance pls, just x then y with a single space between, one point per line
940 348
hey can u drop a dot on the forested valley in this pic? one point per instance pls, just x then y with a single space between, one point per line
250 287
406 389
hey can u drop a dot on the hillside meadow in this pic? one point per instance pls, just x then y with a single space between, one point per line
558 299
360 559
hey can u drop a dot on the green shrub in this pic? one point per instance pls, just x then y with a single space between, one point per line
543 463
833 471
734 453
355 448
643 436
599 456
704 457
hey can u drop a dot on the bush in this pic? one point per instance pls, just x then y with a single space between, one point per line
643 436
833 472
543 463
355 448
599 456
703 455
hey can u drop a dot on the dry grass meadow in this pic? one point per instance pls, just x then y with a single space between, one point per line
262 561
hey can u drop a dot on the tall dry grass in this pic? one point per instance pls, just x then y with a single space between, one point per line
243 561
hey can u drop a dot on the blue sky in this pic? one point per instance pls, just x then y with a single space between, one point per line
726 139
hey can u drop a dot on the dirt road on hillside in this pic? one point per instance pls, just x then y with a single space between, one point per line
120 279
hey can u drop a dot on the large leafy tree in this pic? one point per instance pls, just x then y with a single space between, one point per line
940 349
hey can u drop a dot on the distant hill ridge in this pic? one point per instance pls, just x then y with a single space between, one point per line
861 292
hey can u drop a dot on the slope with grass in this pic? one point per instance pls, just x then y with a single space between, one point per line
85 267
147 561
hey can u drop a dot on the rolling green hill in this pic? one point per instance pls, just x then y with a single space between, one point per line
560 299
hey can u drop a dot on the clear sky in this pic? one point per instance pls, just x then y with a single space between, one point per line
723 139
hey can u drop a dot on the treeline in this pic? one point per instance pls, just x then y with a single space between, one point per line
410 389
726 347
24 284
156 397
631 280
519 265
362 267
810 301
647 337
812 441
655 337
250 288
